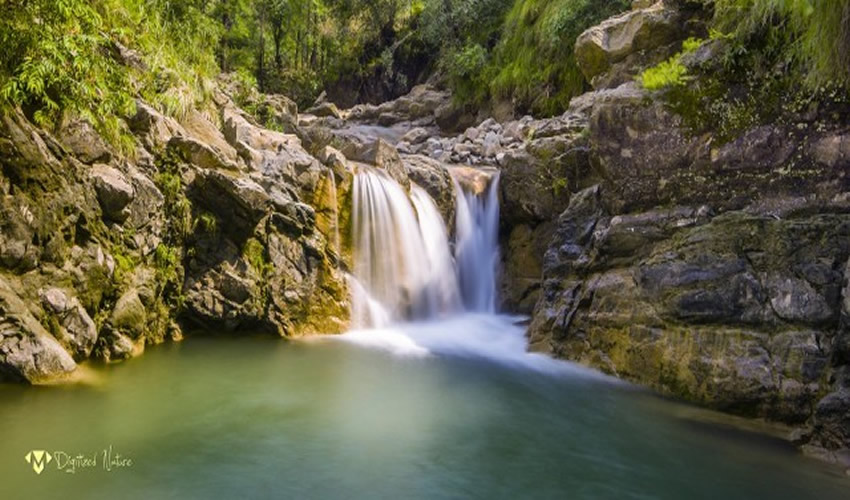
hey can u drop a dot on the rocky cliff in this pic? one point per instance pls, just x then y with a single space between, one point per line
708 267
210 221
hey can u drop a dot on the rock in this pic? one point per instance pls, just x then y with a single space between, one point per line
325 109
523 267
796 300
832 151
434 177
76 330
28 353
128 56
336 161
200 128
81 139
114 192
492 145
612 52
451 118
713 303
237 200
154 128
146 217
384 156
274 111
129 316
416 135
200 154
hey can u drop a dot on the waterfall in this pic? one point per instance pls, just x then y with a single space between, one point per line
404 268
477 251
402 263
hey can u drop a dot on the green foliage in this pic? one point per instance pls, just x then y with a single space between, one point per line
254 254
57 57
467 73
178 208
207 223
810 37
669 73
124 265
534 63
666 74
93 58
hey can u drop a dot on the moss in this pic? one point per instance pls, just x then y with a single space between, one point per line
207 222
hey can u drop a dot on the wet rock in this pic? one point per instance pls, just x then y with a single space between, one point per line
384 156
434 177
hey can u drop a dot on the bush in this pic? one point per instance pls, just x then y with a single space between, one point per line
72 56
534 63
811 36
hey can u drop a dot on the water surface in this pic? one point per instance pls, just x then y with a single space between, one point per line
423 415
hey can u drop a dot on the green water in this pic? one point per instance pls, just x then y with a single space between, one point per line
257 417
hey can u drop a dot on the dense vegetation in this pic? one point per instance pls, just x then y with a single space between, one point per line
95 57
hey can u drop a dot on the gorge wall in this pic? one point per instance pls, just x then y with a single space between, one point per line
710 269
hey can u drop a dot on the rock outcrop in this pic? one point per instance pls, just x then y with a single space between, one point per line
213 221
710 269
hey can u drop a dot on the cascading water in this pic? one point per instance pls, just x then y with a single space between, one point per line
410 294
477 249
403 267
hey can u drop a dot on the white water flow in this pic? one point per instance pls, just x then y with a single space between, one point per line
411 296
403 269
477 251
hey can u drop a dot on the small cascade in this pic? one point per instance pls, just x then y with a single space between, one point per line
402 263
442 286
404 268
477 248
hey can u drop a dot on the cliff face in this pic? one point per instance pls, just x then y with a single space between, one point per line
213 221
712 270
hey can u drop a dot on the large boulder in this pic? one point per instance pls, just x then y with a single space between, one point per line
83 141
648 157
732 311
201 154
382 155
152 127
614 51
129 316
